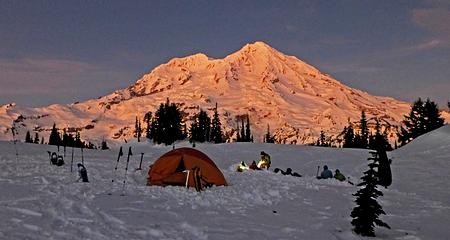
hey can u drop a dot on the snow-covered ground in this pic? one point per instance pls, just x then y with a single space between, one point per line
41 201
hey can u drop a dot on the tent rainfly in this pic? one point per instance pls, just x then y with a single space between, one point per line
185 167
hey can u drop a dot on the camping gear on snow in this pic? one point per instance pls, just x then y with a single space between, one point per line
54 158
253 166
60 161
82 172
384 169
242 167
264 162
185 167
287 172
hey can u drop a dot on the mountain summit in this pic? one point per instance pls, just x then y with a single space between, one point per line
294 98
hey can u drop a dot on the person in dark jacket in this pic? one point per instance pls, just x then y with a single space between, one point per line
326 173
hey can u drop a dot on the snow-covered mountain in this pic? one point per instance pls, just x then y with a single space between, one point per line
294 98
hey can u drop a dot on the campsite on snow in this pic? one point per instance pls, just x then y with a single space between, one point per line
42 201
224 120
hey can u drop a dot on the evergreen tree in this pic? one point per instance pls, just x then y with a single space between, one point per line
432 117
54 138
322 140
194 130
65 139
147 120
365 214
349 137
42 140
243 136
204 126
36 138
201 127
379 140
137 129
238 135
216 128
77 142
166 125
268 138
361 139
28 138
248 134
104 145
423 117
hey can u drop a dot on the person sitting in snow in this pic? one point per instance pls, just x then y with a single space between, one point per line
253 166
339 176
264 162
326 173
82 172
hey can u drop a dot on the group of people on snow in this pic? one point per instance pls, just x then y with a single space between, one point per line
265 162
327 173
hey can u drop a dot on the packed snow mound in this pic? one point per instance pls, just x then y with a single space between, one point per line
437 141
42 201
294 98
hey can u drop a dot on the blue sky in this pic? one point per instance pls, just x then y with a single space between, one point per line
67 51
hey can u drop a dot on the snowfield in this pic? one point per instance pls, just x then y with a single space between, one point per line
42 201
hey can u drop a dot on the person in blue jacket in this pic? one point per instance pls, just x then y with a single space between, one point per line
326 173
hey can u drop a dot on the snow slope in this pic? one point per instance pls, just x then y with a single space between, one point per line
293 97
40 201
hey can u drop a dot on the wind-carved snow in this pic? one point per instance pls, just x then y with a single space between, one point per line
294 98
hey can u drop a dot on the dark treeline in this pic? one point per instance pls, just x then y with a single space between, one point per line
244 133
205 129
67 139
166 126
423 117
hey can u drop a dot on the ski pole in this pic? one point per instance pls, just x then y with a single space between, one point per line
82 156
126 170
71 162
140 163
117 163
115 169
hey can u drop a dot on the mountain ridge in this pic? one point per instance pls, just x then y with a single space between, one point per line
294 98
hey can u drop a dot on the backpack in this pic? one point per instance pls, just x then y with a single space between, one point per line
60 161
54 158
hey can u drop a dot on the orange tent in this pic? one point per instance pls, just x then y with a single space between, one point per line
185 167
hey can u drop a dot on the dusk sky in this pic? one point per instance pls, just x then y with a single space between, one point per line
67 51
